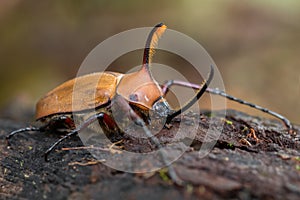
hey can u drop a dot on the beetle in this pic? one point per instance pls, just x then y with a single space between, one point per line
56 108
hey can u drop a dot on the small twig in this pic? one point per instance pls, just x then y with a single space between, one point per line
94 162
84 147
245 142
111 147
253 135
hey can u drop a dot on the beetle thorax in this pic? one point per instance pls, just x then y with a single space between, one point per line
140 89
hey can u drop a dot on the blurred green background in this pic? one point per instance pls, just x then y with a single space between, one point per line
254 44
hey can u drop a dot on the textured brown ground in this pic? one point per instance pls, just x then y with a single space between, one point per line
238 167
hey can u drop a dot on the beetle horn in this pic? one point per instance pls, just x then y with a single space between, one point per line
151 43
195 98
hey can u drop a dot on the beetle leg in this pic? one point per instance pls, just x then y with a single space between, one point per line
265 110
55 123
85 124
201 89
139 121
215 91
21 131
110 128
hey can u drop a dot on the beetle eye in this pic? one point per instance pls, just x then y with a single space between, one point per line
133 97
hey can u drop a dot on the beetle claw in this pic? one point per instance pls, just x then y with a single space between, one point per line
46 154
46 157
7 141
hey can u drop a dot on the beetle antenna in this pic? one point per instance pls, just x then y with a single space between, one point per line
151 43
195 98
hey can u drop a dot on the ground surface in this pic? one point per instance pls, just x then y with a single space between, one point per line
242 165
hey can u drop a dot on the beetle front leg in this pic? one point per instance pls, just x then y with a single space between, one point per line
168 84
265 110
139 121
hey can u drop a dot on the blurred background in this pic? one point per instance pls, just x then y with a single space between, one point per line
253 43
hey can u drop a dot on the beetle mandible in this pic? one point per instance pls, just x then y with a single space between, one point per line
55 108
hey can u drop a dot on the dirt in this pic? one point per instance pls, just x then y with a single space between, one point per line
254 158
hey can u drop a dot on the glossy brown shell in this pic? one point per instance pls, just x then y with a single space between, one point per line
92 90
143 86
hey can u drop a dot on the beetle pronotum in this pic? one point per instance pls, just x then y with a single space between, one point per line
56 107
